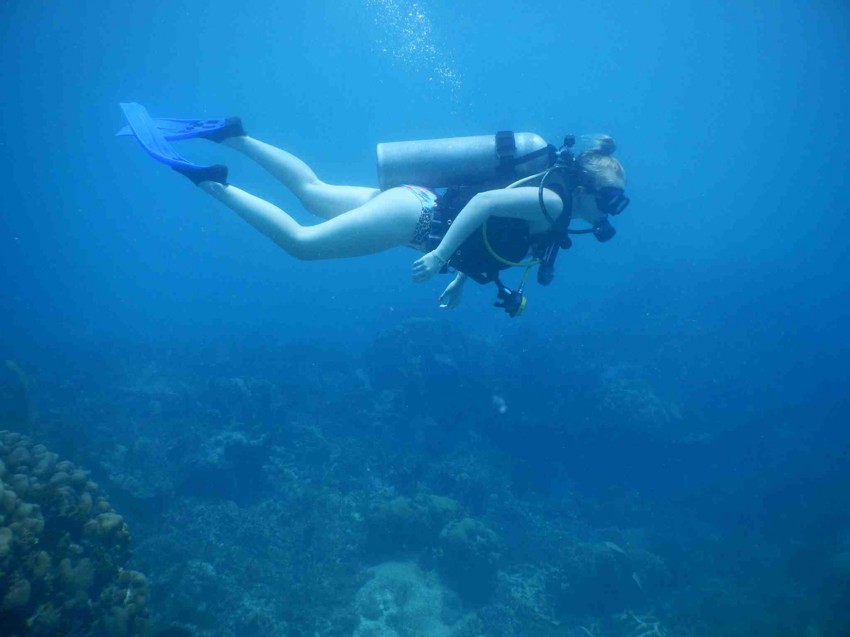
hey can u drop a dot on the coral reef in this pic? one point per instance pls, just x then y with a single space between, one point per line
469 557
283 566
470 474
138 470
239 400
229 465
63 550
406 526
593 578
522 592
630 397
633 625
466 551
401 600
258 506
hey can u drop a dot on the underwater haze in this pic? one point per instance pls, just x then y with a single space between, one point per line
202 435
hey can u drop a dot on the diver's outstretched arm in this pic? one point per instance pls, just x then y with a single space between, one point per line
452 295
321 199
386 221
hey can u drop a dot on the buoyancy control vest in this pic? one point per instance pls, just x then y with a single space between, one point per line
504 242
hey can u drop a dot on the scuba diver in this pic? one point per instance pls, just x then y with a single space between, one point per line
506 196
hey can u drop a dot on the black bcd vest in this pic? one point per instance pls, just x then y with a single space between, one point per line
509 238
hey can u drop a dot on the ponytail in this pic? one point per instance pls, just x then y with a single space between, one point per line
596 159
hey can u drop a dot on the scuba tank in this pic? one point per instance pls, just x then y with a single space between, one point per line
455 161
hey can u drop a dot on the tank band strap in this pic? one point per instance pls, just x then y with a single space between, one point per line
549 150
505 153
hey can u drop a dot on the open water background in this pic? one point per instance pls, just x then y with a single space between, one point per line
726 286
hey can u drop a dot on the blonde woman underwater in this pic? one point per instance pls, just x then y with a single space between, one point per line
450 230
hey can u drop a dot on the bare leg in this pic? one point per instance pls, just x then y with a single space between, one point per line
385 221
321 199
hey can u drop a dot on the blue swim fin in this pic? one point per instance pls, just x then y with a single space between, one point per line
176 129
152 139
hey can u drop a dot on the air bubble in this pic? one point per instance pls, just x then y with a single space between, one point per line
405 35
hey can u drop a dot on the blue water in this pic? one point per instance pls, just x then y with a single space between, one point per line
724 295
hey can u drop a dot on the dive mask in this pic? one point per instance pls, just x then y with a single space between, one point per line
611 200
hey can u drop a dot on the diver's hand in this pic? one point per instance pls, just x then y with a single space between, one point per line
453 294
427 266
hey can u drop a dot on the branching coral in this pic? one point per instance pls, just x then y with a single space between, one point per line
641 625
523 588
62 550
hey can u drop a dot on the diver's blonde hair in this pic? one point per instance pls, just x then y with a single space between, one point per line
596 159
